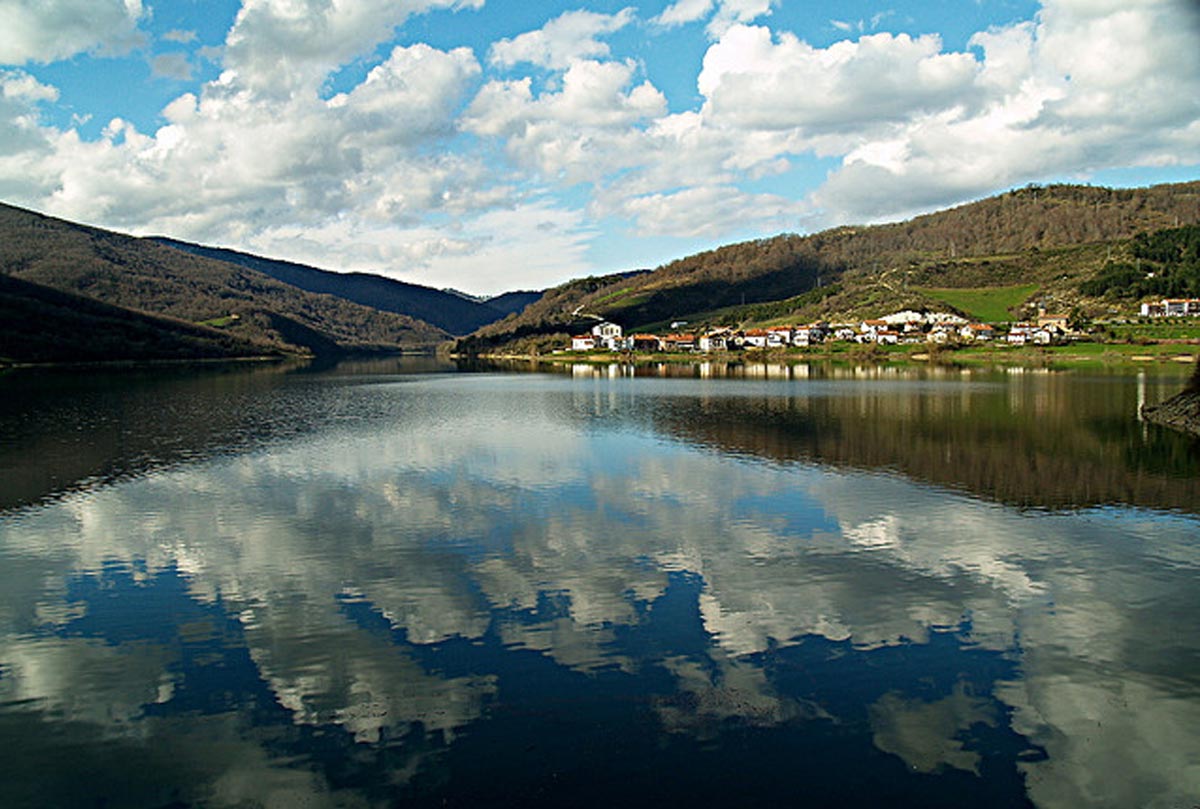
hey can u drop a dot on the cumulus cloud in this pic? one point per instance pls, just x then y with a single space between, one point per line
46 30
278 46
579 133
754 81
725 13
1084 87
567 38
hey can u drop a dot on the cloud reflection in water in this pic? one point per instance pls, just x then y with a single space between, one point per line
396 580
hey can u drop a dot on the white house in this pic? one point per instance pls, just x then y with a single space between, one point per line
903 318
608 335
977 332
1020 334
779 336
755 338
583 342
807 335
1172 307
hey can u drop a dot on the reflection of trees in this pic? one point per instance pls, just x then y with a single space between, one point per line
1047 442
60 428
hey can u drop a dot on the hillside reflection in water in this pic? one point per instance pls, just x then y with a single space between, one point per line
592 589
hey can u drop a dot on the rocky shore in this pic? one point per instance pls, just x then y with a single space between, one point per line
1180 412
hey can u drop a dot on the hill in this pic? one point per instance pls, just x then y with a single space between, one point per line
152 278
454 313
1044 240
47 325
510 303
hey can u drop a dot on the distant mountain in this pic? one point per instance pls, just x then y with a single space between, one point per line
47 325
150 277
512 302
1049 239
450 310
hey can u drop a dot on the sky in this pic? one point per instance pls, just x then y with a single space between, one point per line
493 145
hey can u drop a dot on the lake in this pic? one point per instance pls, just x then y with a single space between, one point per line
400 583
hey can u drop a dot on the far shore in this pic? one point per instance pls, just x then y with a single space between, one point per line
1172 355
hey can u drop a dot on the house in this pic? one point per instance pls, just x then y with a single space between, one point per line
1048 335
868 328
1058 322
941 334
679 342
779 336
807 335
1173 307
714 341
608 335
842 331
887 337
583 342
905 318
945 318
977 332
755 338
1020 333
645 342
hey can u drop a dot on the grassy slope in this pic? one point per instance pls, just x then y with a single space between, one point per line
989 304
141 274
1043 239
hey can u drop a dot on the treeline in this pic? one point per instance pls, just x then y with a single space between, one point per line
47 325
1166 264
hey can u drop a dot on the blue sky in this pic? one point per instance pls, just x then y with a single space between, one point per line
491 145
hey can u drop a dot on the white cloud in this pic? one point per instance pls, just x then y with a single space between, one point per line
18 85
180 36
279 46
1086 86
708 211
46 30
171 66
577 134
684 12
725 13
754 81
568 38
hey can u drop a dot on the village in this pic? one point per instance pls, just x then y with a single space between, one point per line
901 328
906 327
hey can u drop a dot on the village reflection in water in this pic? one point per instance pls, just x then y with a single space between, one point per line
487 589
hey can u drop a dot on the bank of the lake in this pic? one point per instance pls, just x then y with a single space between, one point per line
1175 357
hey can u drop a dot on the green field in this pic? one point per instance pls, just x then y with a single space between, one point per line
219 322
988 304
1167 328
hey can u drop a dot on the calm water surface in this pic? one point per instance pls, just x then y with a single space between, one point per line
395 584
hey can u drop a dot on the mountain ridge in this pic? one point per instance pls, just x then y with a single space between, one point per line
1051 237
151 278
451 311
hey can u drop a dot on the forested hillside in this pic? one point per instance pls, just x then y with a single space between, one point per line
144 275
47 325
449 312
1049 239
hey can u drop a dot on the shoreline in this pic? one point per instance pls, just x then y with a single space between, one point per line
1162 355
